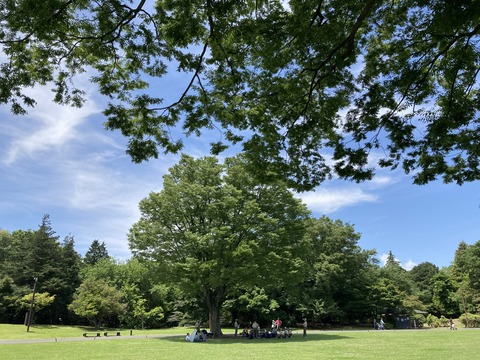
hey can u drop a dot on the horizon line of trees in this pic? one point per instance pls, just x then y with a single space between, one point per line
125 293
215 246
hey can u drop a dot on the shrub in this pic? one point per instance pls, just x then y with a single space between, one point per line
444 322
417 320
433 321
470 320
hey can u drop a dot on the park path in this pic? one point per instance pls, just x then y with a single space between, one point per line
90 338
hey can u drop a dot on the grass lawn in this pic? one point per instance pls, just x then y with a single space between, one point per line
19 332
402 344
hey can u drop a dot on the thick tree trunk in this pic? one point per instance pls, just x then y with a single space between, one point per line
214 304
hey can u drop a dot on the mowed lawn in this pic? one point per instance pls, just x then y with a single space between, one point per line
170 344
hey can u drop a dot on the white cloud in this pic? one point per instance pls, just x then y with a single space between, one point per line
381 181
47 126
59 160
106 192
328 201
383 259
409 265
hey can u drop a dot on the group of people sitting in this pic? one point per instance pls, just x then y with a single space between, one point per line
255 332
197 336
281 333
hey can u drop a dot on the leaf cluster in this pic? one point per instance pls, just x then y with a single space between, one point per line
311 89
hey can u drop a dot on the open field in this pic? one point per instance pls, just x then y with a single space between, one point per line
66 343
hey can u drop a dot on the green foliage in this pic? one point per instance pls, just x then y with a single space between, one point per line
443 321
395 291
297 84
411 303
340 273
422 275
470 320
96 252
444 298
417 320
258 304
433 321
38 254
7 298
213 230
41 300
96 301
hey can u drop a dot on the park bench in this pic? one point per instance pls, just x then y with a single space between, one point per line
87 334
106 333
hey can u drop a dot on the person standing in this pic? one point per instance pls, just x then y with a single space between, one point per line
278 323
305 324
255 329
236 325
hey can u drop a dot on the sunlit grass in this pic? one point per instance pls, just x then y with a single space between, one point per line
8 331
401 344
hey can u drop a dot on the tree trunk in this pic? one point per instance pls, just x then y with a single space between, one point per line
214 304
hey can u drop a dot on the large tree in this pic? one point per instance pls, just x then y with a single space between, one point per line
465 276
340 273
422 275
298 83
213 230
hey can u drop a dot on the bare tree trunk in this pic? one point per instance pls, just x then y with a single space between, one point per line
214 303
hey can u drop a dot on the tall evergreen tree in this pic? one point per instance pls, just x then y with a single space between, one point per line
96 252
71 263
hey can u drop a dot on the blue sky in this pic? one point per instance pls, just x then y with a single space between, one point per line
60 161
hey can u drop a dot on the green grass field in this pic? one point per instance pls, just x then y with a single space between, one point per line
65 342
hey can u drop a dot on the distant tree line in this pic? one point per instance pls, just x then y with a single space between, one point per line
215 246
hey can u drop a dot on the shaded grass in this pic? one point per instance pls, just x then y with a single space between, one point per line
406 344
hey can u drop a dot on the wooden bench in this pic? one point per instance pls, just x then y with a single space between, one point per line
87 334
106 333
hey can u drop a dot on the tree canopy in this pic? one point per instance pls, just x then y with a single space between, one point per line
311 89
212 230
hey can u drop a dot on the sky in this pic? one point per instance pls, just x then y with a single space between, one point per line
60 161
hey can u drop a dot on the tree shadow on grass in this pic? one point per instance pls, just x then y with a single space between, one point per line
259 341
49 327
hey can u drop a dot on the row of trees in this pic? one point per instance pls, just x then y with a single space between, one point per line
216 242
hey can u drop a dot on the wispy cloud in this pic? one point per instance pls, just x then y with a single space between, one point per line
47 126
59 160
327 201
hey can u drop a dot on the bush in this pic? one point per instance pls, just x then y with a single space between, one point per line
433 321
472 319
417 320
444 322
